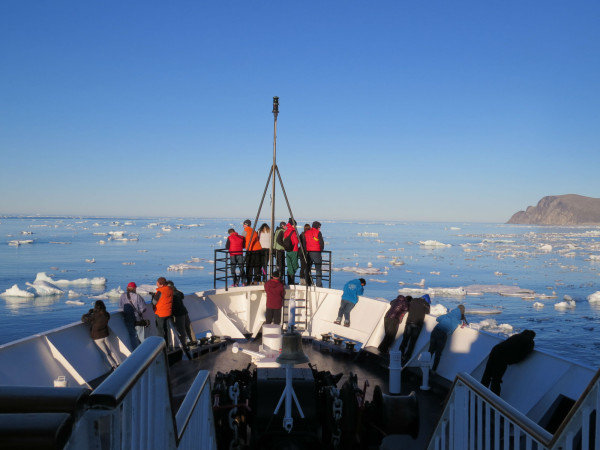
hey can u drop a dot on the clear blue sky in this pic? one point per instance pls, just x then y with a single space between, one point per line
437 110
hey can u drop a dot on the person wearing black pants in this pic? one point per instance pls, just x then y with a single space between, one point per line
417 310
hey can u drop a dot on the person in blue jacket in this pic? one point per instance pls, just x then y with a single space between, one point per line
352 289
444 328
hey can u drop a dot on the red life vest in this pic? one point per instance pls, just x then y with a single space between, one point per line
236 244
312 240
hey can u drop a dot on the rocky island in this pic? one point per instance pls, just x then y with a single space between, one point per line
570 209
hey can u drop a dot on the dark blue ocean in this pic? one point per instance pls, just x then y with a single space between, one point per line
552 262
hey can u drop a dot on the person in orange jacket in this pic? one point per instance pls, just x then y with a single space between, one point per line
162 303
253 253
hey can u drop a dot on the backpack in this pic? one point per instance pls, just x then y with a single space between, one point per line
279 238
287 243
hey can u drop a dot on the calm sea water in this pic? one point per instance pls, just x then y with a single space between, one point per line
486 254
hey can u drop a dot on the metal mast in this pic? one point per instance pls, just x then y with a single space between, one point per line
275 113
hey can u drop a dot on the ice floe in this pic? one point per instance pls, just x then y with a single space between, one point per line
363 270
14 291
431 243
43 288
567 303
182 267
492 326
74 302
112 294
594 298
17 242
96 281
538 305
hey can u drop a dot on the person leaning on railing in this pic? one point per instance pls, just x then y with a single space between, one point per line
511 351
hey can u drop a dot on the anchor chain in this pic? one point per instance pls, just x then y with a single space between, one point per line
336 433
234 394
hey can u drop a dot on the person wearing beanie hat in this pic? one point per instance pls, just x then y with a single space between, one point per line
133 306
446 325
314 246
427 299
412 328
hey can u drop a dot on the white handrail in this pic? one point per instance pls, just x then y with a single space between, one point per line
132 408
476 418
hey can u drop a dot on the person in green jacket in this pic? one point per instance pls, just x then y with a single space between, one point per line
278 247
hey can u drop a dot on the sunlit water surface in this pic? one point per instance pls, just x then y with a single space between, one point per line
486 254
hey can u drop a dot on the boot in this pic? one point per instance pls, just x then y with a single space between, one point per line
291 279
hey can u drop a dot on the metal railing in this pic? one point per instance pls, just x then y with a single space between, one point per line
223 273
132 408
476 418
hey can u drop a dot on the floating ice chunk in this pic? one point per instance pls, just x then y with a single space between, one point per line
434 273
421 283
117 234
27 232
45 288
438 310
538 305
564 305
546 248
431 243
74 302
396 262
454 228
73 293
14 291
492 326
362 270
367 234
16 243
594 298
182 267
96 281
91 261
369 264
498 274
374 280
115 293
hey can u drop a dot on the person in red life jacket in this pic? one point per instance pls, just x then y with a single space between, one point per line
314 246
393 317
162 301
275 293
253 253
291 256
303 255
235 245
